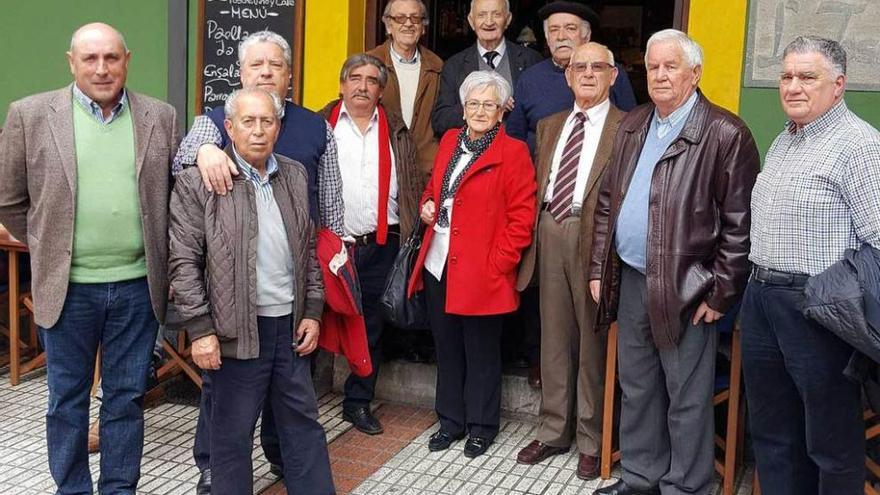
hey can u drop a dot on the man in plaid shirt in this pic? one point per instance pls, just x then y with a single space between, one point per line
818 195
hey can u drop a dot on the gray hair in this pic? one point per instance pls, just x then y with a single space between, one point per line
359 60
585 28
480 79
506 6
264 37
388 5
79 30
831 50
231 105
692 51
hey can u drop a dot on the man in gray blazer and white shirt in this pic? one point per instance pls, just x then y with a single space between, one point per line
86 181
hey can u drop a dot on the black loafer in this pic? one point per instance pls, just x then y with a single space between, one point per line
621 488
476 446
363 420
203 487
276 470
441 440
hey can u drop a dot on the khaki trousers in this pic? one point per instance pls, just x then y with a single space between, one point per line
572 354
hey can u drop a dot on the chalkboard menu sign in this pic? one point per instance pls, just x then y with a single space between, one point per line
222 24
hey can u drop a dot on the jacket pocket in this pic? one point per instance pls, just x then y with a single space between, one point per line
697 282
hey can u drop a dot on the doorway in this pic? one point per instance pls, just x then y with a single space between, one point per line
625 27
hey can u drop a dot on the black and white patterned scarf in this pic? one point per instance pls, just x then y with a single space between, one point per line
477 147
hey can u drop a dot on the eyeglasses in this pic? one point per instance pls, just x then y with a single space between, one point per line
474 105
401 19
594 66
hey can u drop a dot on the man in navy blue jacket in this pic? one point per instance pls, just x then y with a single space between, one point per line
542 89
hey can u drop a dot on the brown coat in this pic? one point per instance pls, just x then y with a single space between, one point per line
410 182
698 217
426 95
38 190
212 263
548 135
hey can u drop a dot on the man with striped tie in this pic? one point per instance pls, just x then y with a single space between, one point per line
573 147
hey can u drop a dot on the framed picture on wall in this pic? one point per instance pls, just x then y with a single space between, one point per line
774 23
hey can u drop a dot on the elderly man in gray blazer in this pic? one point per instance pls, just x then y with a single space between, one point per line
86 181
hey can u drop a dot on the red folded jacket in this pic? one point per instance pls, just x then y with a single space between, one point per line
343 330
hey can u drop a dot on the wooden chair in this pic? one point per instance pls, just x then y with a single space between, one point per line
730 444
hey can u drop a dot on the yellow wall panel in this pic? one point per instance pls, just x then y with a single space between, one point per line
720 27
334 29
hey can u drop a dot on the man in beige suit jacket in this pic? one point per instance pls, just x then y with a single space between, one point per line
86 181
572 149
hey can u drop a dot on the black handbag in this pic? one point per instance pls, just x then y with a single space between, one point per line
403 312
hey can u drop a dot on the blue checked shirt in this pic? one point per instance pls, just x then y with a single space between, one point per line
331 208
95 110
818 194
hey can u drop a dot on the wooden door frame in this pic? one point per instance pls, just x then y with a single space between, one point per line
373 16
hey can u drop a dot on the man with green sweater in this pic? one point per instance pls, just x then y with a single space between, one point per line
86 181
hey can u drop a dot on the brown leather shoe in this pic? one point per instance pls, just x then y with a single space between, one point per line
536 452
588 467
535 377
94 437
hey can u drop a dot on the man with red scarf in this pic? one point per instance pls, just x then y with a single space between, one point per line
381 185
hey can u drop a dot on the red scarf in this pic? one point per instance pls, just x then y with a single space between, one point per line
384 170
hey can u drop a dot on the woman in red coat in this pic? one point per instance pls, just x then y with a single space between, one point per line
480 209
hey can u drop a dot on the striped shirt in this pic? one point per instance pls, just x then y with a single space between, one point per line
818 194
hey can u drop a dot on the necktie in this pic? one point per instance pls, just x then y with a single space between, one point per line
566 176
490 58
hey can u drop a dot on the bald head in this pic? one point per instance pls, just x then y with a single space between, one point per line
96 29
98 60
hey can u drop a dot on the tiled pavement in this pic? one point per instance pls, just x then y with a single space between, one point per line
397 462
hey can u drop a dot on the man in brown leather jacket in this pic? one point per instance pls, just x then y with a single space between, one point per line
670 256
248 289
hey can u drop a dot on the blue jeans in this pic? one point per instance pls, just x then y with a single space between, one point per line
806 417
118 317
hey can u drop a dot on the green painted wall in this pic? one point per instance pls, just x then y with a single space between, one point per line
761 110
36 35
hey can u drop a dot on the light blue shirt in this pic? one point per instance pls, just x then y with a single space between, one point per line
95 110
631 234
275 277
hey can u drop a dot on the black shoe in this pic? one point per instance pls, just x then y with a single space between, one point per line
276 469
363 420
621 488
476 446
441 440
203 487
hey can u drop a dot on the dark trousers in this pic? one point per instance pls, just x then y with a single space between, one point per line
373 262
806 417
468 366
666 417
239 389
118 317
202 444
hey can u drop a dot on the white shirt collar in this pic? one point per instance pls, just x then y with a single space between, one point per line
595 114
501 49
344 112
